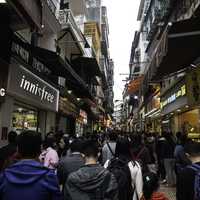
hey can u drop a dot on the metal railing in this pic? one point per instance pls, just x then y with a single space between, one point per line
67 20
52 6
186 7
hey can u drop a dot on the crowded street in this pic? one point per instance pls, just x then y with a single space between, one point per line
100 100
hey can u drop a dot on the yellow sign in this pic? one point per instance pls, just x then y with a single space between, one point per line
180 93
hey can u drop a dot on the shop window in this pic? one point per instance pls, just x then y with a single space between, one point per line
189 123
24 119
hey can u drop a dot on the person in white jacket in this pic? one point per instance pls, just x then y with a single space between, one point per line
123 151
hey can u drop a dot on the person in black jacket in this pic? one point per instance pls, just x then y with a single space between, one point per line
169 161
186 177
92 181
7 151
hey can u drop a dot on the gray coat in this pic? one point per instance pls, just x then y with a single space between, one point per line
91 182
69 164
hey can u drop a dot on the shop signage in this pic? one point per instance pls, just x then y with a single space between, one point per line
67 107
3 80
29 87
2 92
23 51
179 93
83 117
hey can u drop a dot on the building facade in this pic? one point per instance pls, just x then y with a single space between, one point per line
170 35
51 79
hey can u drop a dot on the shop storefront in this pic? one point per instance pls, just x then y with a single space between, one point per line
172 104
30 102
152 115
177 114
81 123
66 118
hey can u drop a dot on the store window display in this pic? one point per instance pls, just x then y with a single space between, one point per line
24 119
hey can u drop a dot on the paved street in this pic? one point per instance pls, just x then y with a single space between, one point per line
170 192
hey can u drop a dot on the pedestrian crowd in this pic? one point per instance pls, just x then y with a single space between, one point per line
106 166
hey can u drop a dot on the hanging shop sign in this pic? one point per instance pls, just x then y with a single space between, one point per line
67 107
180 92
82 117
29 87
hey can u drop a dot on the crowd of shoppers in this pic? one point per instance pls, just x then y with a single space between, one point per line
98 166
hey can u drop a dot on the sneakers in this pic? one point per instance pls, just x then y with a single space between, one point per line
163 181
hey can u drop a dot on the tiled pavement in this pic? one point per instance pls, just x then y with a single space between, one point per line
170 192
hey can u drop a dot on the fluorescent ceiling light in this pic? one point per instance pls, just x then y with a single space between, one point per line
3 1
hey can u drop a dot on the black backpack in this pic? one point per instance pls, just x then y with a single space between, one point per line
119 168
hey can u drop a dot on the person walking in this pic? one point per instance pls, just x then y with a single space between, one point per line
49 156
91 181
108 150
169 160
188 178
71 162
28 178
132 190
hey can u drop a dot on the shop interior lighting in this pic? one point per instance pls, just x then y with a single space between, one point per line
171 113
3 1
69 91
78 99
165 122
178 110
187 106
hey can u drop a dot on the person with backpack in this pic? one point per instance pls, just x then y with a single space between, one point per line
28 179
140 153
127 172
108 150
91 181
151 186
188 185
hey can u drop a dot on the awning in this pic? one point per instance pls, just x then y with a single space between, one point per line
134 85
54 63
87 64
61 68
183 47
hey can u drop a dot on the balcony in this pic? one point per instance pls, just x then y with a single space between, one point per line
67 21
186 9
28 10
50 18
153 19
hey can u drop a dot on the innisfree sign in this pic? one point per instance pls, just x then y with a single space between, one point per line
31 88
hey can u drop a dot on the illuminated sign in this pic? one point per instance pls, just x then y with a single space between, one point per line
2 92
180 93
24 84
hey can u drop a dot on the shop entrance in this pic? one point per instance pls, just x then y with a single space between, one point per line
24 118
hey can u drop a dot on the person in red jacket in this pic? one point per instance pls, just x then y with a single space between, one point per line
150 188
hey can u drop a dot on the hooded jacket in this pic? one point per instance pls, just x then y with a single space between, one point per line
29 180
91 182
